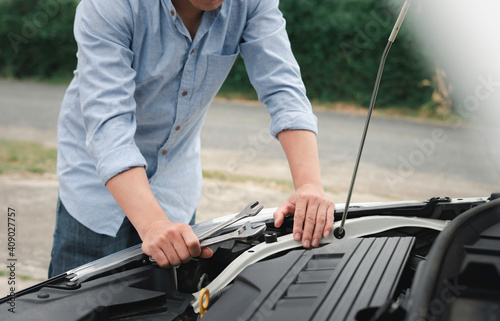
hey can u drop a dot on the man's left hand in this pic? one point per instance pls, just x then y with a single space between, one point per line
313 214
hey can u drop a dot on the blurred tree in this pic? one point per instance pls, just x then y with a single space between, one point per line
338 44
36 38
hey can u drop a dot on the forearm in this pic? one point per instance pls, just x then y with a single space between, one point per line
169 244
133 194
301 149
312 209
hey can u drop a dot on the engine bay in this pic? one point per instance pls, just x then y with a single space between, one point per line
377 274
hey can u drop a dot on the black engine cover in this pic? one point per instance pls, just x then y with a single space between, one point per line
333 282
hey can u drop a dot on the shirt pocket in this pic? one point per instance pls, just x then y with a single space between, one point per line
218 67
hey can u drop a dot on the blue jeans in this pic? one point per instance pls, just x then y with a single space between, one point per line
75 244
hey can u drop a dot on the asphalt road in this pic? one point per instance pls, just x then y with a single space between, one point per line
467 152
402 160
401 151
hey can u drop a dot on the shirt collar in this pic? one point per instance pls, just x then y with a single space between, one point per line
171 8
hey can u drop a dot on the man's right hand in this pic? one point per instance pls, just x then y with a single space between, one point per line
171 244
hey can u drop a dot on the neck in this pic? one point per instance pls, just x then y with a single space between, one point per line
190 15
186 10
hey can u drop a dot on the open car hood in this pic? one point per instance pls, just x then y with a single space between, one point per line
396 261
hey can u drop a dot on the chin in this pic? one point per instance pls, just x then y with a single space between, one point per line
207 5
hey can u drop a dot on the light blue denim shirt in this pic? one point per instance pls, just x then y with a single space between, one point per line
141 91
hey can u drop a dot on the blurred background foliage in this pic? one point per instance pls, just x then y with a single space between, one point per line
337 43
36 38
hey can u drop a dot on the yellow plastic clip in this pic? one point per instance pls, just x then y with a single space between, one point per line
203 302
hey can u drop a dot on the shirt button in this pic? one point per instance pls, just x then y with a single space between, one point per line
178 127
164 153
192 50
172 12
184 93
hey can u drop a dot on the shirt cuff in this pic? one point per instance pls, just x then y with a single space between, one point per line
295 120
119 160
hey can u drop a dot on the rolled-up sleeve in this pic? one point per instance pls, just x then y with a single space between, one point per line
273 70
103 31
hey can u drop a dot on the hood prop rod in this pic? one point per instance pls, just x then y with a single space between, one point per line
340 231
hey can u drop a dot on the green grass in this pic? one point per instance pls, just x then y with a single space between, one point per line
58 79
18 156
231 93
29 157
424 113
6 273
284 185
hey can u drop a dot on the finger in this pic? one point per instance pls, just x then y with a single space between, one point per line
330 217
206 253
192 242
279 215
309 223
182 251
172 255
158 256
285 209
320 223
298 218
155 253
